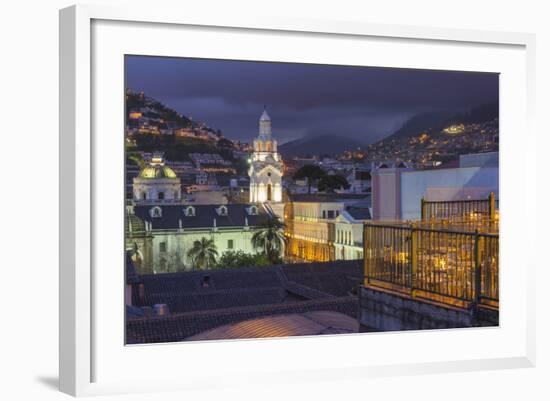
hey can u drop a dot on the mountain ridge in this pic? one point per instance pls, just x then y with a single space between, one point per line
317 145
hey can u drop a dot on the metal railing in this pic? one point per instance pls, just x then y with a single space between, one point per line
443 264
468 211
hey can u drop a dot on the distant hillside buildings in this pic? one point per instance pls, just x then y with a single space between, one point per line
174 203
163 224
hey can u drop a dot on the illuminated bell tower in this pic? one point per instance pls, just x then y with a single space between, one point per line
266 167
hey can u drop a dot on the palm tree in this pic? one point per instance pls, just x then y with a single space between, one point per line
203 254
270 237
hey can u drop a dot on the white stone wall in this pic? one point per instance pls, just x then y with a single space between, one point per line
347 237
415 185
177 244
171 189
263 175
347 252
314 210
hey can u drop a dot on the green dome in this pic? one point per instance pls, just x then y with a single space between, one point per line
157 171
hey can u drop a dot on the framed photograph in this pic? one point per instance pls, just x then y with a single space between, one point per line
251 199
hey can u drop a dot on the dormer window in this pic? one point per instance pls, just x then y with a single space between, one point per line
156 212
189 211
252 210
222 210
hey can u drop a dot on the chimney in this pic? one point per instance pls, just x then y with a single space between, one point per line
160 309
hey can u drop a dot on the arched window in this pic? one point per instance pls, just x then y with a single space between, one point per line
189 211
156 212
222 210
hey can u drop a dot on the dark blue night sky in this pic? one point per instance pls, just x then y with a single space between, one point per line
304 99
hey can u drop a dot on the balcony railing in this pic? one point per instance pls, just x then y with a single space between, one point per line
460 210
439 261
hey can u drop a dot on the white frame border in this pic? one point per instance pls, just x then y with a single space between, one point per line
75 279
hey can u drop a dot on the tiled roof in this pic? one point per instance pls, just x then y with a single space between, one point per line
359 213
233 295
309 323
204 216
327 197
337 278
178 327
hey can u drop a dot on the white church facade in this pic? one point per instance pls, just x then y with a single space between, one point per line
157 183
266 166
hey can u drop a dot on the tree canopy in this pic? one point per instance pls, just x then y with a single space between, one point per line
310 172
330 183
233 259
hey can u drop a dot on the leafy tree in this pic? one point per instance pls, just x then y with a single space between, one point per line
310 172
233 259
330 183
203 254
270 238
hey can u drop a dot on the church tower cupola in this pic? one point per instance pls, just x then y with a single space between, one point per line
264 142
265 125
266 168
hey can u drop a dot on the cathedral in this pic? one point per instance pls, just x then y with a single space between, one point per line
266 167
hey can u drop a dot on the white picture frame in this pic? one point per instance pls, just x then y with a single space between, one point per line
81 346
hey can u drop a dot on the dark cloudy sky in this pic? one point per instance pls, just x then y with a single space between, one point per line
304 99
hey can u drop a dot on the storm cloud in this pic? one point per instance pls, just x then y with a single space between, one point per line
364 103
